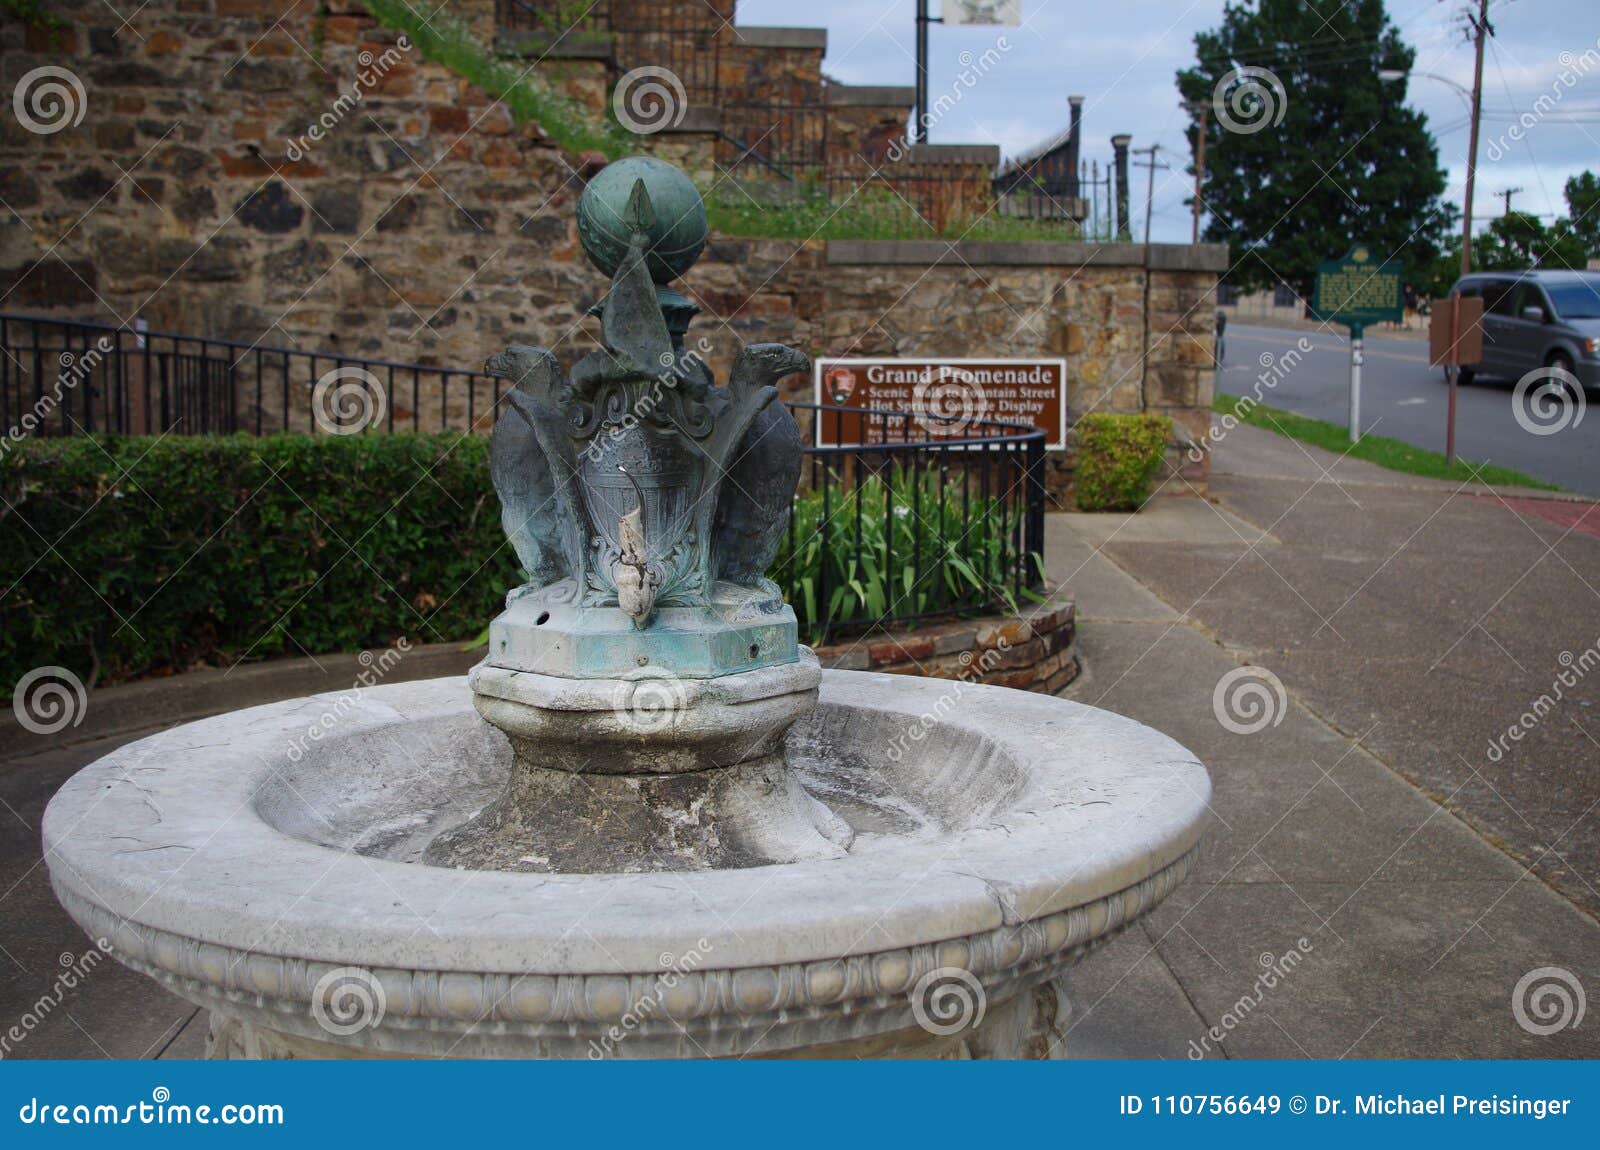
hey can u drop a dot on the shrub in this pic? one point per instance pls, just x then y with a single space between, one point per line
1118 457
122 556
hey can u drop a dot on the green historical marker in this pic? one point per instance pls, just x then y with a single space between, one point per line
1356 291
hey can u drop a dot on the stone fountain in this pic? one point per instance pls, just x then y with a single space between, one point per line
647 824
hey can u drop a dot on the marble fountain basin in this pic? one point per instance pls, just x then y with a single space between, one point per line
278 879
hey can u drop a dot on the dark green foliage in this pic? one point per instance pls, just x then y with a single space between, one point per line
964 555
214 550
1583 212
1515 240
1348 163
34 13
128 556
1118 458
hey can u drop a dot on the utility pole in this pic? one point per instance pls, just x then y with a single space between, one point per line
1506 194
919 120
1153 151
1201 124
1480 30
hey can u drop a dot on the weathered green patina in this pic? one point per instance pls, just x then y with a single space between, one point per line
644 501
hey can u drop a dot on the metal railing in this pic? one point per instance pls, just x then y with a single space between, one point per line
680 37
62 377
901 517
911 519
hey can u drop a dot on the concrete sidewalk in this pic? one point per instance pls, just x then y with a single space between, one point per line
1409 624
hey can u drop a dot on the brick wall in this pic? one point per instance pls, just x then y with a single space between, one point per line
1030 652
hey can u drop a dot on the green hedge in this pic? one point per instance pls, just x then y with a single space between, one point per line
122 557
1118 458
128 556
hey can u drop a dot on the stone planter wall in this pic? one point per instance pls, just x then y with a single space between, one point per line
1030 652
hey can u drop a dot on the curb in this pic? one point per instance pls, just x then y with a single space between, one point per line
148 704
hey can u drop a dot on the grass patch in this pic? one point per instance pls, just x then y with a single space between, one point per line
442 38
1390 453
870 214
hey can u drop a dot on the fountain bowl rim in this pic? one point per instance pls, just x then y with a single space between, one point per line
1113 803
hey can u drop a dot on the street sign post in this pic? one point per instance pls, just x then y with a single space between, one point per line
1357 291
1455 339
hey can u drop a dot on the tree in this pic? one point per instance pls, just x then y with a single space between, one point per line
1518 240
1347 163
1583 211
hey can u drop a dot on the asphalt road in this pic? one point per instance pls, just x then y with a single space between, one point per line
1403 398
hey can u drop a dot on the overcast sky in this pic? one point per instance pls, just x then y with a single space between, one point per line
1122 56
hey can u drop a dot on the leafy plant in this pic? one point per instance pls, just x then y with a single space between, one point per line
1118 458
900 542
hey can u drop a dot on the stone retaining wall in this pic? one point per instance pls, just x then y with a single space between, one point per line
427 227
1031 652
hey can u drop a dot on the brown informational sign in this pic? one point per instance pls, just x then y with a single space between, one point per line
1456 337
945 398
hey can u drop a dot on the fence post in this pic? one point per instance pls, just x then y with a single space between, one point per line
1035 497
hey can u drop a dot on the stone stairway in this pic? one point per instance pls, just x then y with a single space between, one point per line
755 104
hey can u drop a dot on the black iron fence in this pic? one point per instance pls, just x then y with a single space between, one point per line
913 517
61 377
900 516
681 36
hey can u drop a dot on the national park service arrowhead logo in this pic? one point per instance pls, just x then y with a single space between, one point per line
841 384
